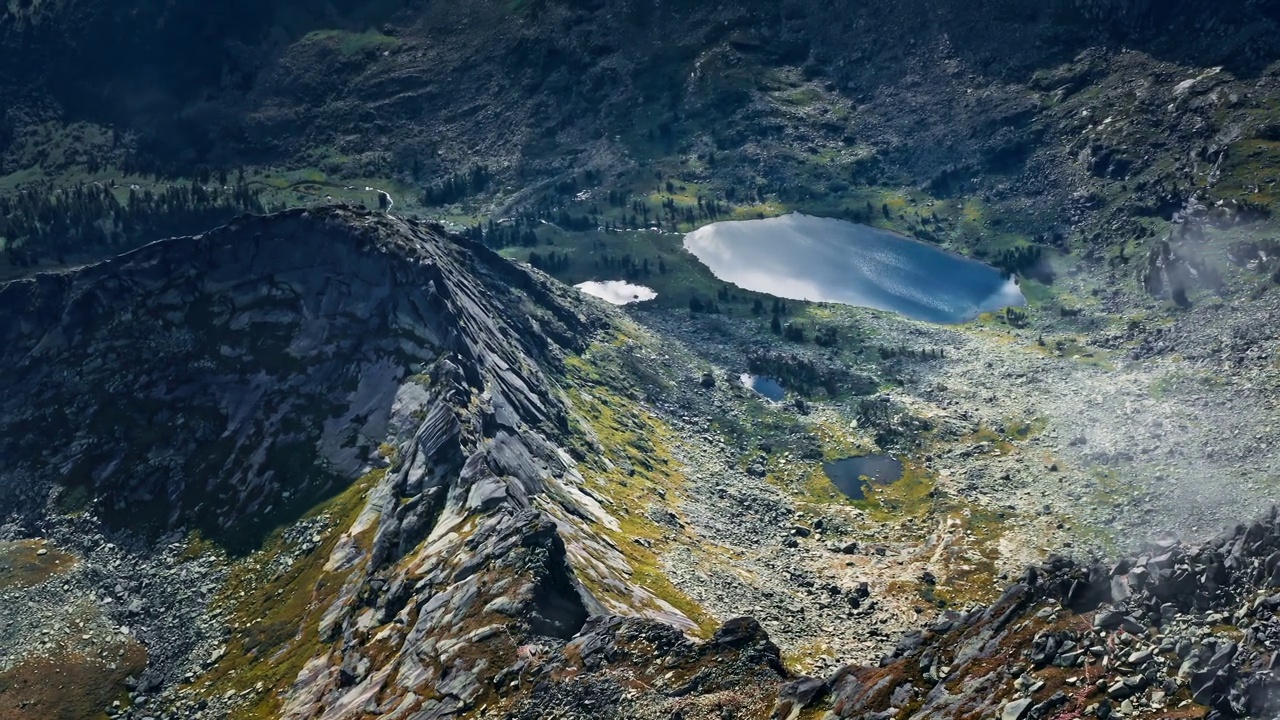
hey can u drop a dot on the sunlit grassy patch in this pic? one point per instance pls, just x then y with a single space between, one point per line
911 496
274 617
801 657
759 210
635 474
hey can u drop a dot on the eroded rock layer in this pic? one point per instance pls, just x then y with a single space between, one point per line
227 382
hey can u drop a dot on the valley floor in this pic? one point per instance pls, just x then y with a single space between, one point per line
1038 446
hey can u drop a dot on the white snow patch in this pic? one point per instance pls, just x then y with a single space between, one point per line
617 292
1184 86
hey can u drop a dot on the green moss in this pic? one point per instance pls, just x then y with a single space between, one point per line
912 496
198 546
684 193
797 659
1168 384
275 616
1022 429
800 97
1249 171
817 488
631 437
985 434
1069 346
1036 292
838 443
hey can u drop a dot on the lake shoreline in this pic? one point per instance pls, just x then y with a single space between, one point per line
813 259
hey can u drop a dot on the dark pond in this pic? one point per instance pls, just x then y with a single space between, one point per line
766 386
800 257
851 475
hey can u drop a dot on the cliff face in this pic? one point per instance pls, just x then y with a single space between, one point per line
229 382
226 380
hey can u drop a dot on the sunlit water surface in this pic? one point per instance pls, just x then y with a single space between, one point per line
801 257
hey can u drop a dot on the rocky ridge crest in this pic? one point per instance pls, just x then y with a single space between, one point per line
228 381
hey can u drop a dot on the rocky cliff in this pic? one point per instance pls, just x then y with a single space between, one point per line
229 382
1179 631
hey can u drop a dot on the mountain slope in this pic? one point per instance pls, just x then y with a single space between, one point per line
424 89
336 464
467 517
241 357
228 382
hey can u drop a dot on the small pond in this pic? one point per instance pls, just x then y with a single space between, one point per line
851 475
617 292
800 257
766 386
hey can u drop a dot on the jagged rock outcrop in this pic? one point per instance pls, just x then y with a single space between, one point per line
1187 628
1177 631
217 380
229 381
627 668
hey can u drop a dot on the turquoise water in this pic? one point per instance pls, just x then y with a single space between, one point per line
801 257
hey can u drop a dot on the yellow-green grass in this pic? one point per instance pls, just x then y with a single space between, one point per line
274 617
631 436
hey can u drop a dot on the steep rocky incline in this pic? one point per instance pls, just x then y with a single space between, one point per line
228 382
1179 631
1176 631
229 379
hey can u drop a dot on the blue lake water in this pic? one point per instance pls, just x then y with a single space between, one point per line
766 386
851 475
801 257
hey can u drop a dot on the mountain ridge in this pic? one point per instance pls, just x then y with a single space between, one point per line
87 304
472 517
331 463
470 568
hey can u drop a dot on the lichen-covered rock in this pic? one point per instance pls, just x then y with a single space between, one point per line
230 381
1065 642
